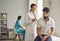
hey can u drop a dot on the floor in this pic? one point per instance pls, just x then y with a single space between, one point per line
10 40
6 40
54 38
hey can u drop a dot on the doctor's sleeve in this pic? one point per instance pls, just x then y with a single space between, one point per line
28 20
38 24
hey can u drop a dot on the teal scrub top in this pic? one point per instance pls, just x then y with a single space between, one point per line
17 26
18 30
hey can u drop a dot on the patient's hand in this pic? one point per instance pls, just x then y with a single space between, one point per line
44 38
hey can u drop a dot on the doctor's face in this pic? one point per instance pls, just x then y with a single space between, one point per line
34 8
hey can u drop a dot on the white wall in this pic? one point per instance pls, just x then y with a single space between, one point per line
39 9
45 3
13 8
55 13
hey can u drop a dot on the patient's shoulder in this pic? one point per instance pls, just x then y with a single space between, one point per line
41 18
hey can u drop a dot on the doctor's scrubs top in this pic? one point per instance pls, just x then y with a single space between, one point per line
18 29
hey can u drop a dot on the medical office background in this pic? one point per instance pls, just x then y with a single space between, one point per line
14 8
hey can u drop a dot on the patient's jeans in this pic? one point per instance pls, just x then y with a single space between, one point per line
39 39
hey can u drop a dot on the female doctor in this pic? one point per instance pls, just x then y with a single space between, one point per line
31 22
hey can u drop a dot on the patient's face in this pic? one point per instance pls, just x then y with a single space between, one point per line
45 15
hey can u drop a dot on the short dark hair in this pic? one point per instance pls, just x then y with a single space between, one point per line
19 17
46 9
33 5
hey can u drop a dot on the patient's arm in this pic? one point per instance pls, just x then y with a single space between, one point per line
52 28
39 32
52 31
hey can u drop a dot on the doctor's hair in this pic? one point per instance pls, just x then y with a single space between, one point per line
33 5
46 9
19 17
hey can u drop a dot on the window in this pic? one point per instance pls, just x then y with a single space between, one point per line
39 8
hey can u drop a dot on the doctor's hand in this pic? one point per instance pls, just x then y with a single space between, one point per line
33 20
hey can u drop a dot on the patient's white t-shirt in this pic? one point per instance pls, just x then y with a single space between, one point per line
45 26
